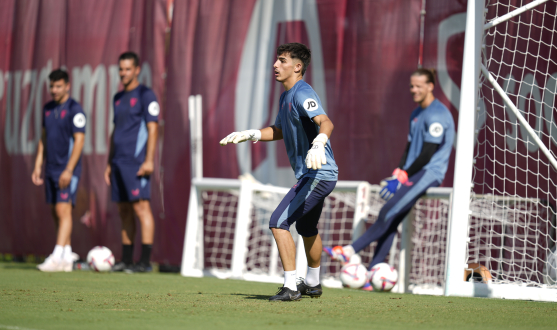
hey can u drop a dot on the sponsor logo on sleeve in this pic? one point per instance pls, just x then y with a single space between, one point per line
310 105
154 108
79 120
436 129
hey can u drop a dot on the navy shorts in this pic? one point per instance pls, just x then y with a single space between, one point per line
53 192
126 185
303 205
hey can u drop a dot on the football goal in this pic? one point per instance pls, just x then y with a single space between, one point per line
228 234
503 210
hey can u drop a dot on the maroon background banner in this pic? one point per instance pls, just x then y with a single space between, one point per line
363 53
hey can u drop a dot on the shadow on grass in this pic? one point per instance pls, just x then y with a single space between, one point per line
252 296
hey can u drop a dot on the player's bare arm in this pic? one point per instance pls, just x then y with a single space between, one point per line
66 176
271 133
148 165
36 176
110 156
325 125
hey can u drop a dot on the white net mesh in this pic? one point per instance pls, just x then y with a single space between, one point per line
219 219
262 257
512 227
429 241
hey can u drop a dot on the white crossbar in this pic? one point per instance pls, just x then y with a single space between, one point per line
513 13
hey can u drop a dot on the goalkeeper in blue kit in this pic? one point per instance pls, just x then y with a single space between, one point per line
305 129
422 166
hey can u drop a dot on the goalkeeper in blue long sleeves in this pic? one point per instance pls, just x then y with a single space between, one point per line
422 166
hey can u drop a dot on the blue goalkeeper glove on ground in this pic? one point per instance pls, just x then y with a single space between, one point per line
392 184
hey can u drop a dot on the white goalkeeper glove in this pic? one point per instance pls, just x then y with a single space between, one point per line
237 137
316 154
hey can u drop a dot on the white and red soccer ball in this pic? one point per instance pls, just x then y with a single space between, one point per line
383 277
353 275
100 259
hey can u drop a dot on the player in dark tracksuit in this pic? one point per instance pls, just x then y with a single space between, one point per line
422 166
63 137
131 161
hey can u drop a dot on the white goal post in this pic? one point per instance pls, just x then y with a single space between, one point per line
227 233
503 209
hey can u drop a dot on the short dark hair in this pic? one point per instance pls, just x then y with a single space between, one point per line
428 73
59 74
296 50
130 56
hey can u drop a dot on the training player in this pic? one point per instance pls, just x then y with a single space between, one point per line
423 165
63 135
306 130
131 161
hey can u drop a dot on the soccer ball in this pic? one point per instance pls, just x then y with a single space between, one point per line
383 277
100 259
353 275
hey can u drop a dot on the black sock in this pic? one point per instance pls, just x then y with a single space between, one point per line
146 253
127 254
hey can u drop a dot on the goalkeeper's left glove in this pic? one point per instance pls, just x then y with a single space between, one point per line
316 154
237 137
392 184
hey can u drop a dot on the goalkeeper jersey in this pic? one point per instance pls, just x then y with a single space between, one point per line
298 106
433 124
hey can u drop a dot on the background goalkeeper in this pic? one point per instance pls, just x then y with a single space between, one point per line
423 165
305 129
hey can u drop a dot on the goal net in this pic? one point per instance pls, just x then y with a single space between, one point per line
511 219
233 240
512 226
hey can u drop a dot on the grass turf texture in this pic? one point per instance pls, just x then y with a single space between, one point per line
30 299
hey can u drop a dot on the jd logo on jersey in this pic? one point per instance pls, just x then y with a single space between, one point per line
310 105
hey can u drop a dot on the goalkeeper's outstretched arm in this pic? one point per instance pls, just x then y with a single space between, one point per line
271 133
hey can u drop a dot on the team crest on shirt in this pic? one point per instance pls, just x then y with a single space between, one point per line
436 129
63 113
310 105
47 113
117 102
79 120
133 101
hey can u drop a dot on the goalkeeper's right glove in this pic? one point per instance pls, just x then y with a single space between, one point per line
237 137
392 184
316 154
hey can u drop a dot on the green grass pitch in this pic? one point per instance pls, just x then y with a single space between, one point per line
30 299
